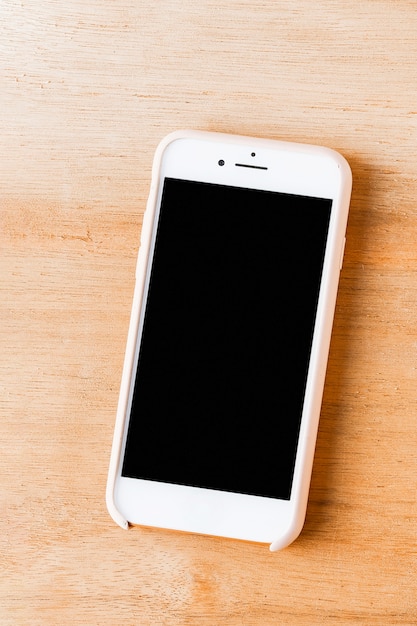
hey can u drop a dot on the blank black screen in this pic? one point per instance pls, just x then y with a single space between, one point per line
227 337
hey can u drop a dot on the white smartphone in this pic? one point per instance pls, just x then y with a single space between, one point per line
237 275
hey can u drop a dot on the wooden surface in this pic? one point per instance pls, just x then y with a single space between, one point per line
87 89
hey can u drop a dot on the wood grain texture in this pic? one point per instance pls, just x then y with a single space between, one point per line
87 89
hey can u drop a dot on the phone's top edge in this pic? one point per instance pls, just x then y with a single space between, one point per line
213 136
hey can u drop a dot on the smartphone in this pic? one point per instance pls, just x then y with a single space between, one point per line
237 275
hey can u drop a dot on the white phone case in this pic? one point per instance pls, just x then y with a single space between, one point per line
319 355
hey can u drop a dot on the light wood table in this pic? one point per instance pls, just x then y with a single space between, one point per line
87 89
